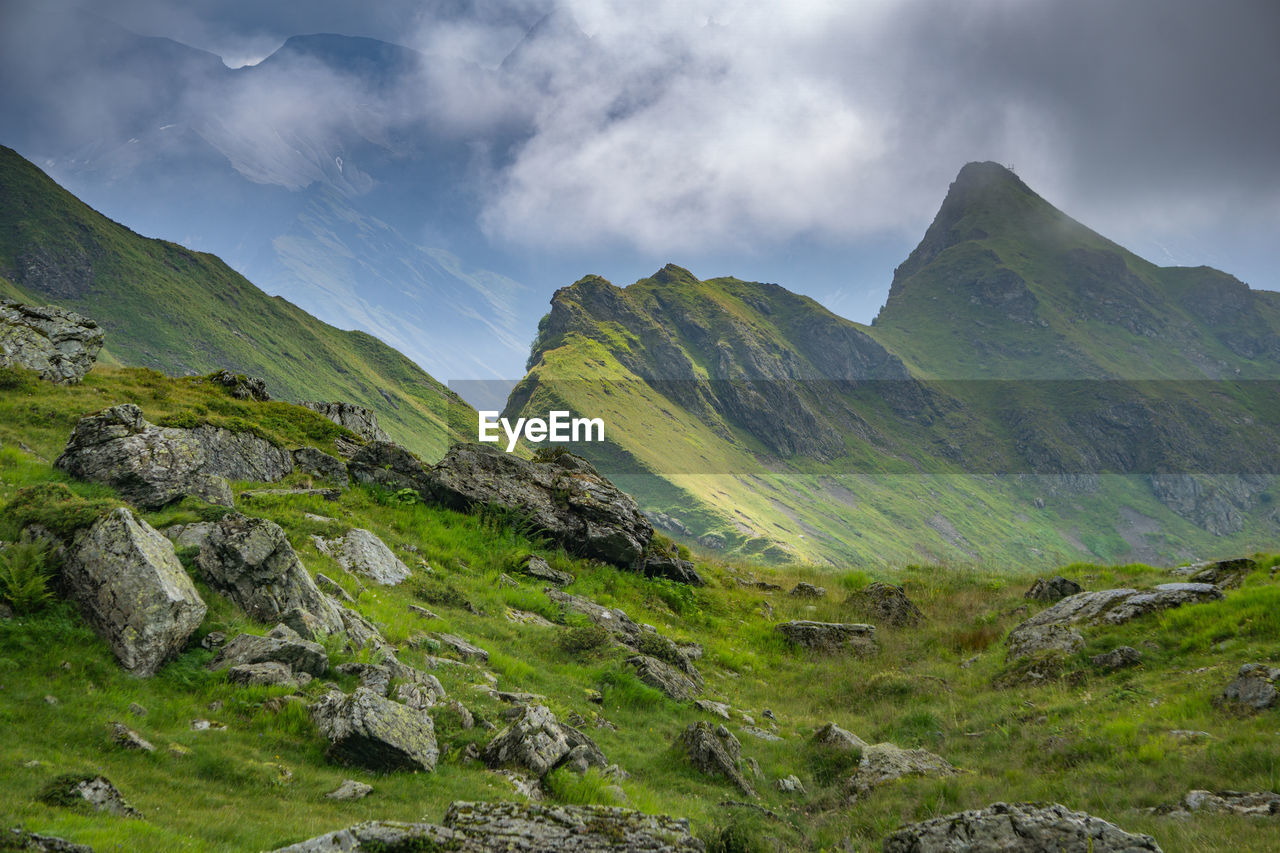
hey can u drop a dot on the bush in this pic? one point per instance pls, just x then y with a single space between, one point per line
25 571
584 641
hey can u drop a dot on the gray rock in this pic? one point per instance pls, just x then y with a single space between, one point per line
59 345
331 587
251 561
757 732
213 640
1114 607
242 387
536 567
1052 589
672 569
460 647
96 791
884 762
834 737
363 553
830 637
720 709
317 463
1238 803
188 535
350 789
367 730
716 752
533 828
126 738
381 837
18 839
373 676
790 785
1035 640
884 602
151 466
388 465
282 646
1254 688
663 676
363 422
1017 828
539 743
807 590
267 674
1118 658
127 581
1224 574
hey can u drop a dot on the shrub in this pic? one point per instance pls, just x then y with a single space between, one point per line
25 571
584 641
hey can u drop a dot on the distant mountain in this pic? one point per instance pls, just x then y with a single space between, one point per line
185 312
986 416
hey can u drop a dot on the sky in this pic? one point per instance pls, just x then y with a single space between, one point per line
810 142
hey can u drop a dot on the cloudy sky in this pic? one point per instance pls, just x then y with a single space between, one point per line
810 142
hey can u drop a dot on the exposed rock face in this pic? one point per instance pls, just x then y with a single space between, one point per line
363 553
663 676
96 791
242 387
1254 688
366 730
1037 640
886 603
530 828
1239 803
1224 574
128 583
1052 589
282 646
1018 828
536 567
151 466
363 422
1118 658
59 345
317 463
830 637
564 499
672 568
251 561
716 752
382 463
834 737
538 742
884 762
1114 607
269 674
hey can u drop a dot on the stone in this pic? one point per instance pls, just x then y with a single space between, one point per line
1237 803
830 637
188 535
757 732
381 837
536 567
18 839
716 752
460 647
790 785
886 603
242 387
363 422
96 791
213 640
127 582
126 738
59 345
525 617
671 568
540 743
563 498
1118 658
370 731
363 553
1224 574
1037 640
534 828
832 736
1116 606
350 789
663 676
1017 828
390 466
1253 690
882 763
1052 589
331 587
251 561
719 709
375 677
421 695
283 647
151 466
807 590
267 674
137 710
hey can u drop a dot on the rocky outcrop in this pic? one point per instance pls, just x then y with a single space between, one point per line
540 743
563 498
672 569
363 422
127 581
832 736
716 752
381 837
269 674
1118 658
19 839
807 590
882 763
887 603
830 637
96 792
1253 690
283 646
1113 607
363 553
242 387
1036 640
536 567
661 675
461 647
59 345
1237 803
251 561
390 466
1224 574
1052 589
1017 828
367 730
151 466
317 463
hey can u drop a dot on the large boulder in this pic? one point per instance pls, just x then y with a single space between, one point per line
1052 589
887 603
1037 640
363 422
716 752
661 675
830 637
363 553
251 561
317 463
882 763
60 345
563 498
1253 690
151 466
370 731
832 736
390 466
127 581
1017 828
538 742
672 568
283 646
1113 607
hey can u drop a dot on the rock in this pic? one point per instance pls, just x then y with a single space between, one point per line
564 499
422 612
267 674
373 676
363 553
883 602
1117 606
331 587
350 789
1017 828
807 590
382 837
1052 589
536 567
1041 639
126 738
1254 689
1118 658
96 791
757 732
317 463
538 742
367 730
18 839
834 737
363 422
282 646
790 785
716 752
1224 574
59 345
137 710
672 569
1239 803
259 494
423 694
720 709
830 637
460 647
213 641
251 561
381 463
151 466
188 535
127 581
525 617
665 677
533 828
242 387
884 762
202 725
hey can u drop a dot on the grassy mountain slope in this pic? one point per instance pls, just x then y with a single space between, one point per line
185 312
1098 741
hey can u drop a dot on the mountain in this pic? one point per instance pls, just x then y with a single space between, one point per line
1031 392
183 312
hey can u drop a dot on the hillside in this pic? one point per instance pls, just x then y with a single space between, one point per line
184 312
